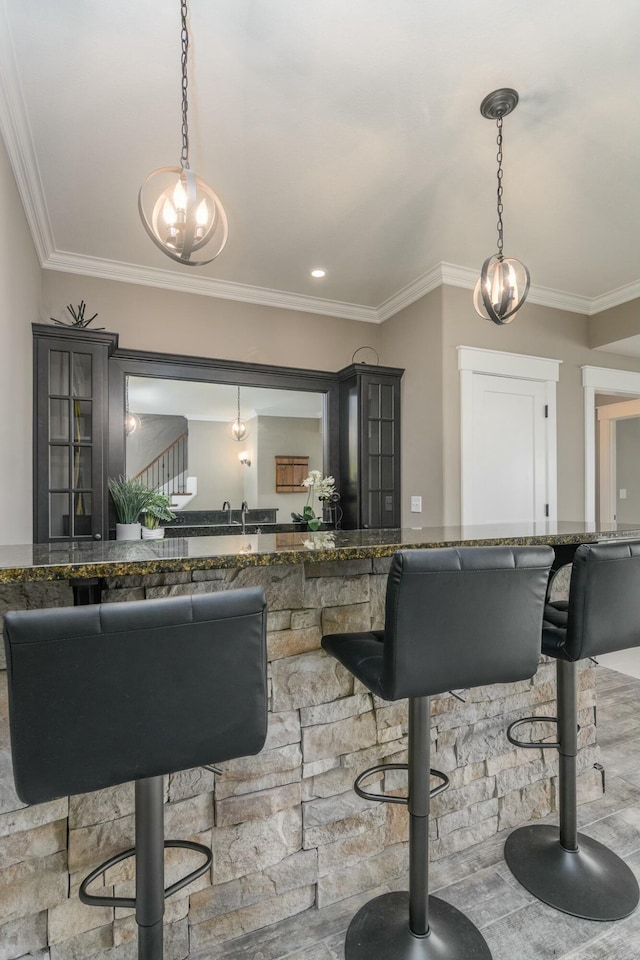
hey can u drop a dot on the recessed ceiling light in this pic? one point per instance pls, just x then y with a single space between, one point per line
318 273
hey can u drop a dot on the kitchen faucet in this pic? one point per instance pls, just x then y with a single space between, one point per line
245 509
227 506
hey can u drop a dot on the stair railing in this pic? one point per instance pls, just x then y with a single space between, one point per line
168 472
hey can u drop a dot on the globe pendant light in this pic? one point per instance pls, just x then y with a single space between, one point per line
504 281
186 215
239 430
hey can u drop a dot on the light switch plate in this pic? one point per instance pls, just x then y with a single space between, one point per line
623 493
416 504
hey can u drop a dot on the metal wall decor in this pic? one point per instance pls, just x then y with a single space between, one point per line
179 211
79 320
504 281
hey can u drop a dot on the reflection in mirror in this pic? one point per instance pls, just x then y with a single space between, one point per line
185 447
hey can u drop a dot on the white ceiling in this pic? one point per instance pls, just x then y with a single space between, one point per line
218 401
339 134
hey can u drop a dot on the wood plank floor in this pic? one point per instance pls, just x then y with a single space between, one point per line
477 881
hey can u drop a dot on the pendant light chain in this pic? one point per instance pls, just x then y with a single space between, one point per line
238 418
184 36
500 190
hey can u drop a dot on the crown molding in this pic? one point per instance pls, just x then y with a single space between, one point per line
443 273
16 134
465 277
206 286
418 288
630 291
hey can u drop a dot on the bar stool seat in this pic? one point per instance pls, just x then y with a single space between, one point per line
108 693
454 618
558 865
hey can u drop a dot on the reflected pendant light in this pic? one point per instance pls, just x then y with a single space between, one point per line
504 281
179 211
131 424
239 430
131 420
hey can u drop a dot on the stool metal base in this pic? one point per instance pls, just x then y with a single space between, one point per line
380 931
593 883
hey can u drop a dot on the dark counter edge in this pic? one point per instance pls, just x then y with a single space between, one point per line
38 573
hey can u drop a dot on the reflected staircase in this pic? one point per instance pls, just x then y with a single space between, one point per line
168 473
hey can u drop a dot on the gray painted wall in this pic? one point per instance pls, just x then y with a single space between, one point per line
628 470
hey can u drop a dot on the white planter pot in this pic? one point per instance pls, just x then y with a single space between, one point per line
128 531
155 534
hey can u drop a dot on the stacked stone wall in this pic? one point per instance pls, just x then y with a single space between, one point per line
286 829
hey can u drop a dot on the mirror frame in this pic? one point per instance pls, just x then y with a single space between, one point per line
142 363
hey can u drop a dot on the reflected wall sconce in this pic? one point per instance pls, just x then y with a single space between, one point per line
504 281
244 459
179 211
239 430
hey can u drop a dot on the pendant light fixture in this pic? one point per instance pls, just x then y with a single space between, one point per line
504 282
179 211
239 430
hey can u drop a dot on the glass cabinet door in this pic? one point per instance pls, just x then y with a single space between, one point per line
380 459
370 446
71 398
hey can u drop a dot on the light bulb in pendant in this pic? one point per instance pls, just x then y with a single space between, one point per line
169 213
180 197
202 218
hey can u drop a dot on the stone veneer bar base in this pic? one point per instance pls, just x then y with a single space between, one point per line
286 829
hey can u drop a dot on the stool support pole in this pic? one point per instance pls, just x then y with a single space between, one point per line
567 698
418 806
149 818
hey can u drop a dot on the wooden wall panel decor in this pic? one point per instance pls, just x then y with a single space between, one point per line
290 472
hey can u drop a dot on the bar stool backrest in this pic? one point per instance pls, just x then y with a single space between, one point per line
104 694
604 599
463 617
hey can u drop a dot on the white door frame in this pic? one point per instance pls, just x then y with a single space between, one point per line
599 380
472 360
608 416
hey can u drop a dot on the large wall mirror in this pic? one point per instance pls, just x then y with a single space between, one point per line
179 437
180 414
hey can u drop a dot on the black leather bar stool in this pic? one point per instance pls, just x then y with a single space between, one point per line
564 868
454 618
105 694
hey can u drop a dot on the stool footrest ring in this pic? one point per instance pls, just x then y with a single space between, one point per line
531 744
93 900
387 798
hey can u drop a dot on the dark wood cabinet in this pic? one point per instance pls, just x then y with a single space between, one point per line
70 433
370 446
79 440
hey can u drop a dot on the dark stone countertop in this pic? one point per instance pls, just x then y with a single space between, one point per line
82 560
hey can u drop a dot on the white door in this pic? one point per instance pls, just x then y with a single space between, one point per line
508 470
508 436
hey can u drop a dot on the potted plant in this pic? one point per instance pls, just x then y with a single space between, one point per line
157 509
322 488
130 497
